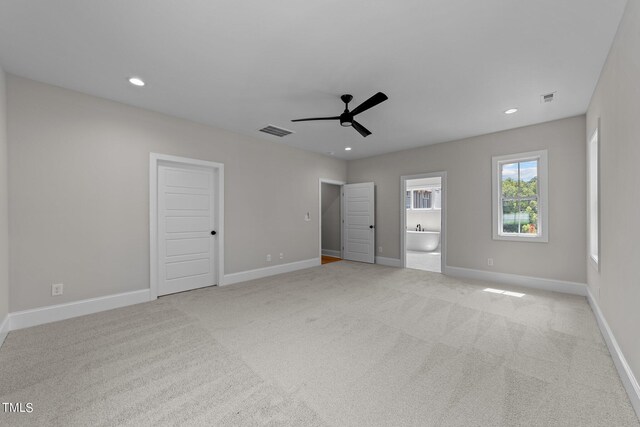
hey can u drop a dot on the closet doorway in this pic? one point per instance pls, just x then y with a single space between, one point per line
330 221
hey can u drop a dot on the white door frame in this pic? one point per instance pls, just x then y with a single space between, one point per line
443 216
334 182
155 160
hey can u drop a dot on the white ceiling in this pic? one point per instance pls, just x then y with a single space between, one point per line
449 67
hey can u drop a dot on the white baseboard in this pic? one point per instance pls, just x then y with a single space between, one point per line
563 286
390 262
624 370
330 252
4 329
259 273
53 313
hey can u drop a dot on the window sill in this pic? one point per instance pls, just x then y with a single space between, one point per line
516 238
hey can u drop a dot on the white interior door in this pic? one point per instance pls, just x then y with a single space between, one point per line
359 222
185 228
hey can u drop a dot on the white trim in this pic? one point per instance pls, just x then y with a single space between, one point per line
154 161
334 182
624 370
259 273
54 313
330 252
562 286
4 329
390 262
443 216
543 196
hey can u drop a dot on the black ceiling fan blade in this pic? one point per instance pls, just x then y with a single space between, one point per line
361 129
371 102
317 118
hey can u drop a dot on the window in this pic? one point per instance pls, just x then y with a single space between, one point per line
424 198
594 227
421 199
519 197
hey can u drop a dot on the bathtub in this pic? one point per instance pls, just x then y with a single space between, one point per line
425 241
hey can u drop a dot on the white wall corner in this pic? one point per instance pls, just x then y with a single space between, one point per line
54 313
624 370
563 286
4 329
389 262
259 273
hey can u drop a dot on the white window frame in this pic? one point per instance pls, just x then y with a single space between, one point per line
543 190
593 196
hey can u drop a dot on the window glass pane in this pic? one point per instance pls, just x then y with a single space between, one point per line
509 217
528 178
407 200
421 199
520 217
529 217
509 178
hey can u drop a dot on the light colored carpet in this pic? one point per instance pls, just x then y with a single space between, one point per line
345 344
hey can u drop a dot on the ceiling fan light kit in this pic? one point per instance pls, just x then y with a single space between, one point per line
346 118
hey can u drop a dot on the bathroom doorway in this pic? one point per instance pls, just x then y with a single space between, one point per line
423 229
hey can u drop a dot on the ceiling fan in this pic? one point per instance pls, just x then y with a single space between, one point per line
346 118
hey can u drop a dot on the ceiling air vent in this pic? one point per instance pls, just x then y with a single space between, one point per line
274 130
549 97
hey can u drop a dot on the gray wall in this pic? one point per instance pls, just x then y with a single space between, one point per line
4 204
468 165
616 102
331 217
79 193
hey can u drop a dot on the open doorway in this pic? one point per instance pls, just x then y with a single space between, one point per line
330 221
423 224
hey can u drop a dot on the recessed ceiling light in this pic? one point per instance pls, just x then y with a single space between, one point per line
136 81
347 148
511 111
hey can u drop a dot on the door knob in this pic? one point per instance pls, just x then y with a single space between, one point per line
213 233
371 226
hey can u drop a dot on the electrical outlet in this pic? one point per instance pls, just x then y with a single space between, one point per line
268 257
490 261
281 255
380 249
57 289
